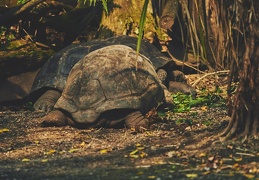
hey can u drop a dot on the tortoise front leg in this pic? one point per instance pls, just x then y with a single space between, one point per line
47 100
57 118
162 75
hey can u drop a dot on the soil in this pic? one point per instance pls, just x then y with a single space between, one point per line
177 146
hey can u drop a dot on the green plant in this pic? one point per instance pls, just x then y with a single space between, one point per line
183 103
6 38
104 2
141 24
21 1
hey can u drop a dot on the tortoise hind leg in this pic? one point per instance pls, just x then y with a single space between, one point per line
136 120
47 100
120 118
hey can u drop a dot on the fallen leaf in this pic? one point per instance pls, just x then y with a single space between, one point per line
4 130
230 147
61 152
134 152
249 176
134 156
235 165
143 154
73 150
140 173
140 148
44 160
148 133
202 154
151 177
204 108
82 144
103 151
52 151
25 160
238 159
192 175
170 153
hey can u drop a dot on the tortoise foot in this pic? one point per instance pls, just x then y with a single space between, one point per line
54 118
179 76
47 101
136 120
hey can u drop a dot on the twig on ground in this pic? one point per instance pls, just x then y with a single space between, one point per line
209 74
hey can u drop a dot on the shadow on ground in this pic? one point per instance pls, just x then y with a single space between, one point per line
168 150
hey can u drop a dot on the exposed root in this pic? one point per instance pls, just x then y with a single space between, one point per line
255 126
202 143
243 125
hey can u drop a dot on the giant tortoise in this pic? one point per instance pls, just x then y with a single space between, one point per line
107 87
51 80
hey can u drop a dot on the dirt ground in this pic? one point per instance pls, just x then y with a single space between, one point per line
179 146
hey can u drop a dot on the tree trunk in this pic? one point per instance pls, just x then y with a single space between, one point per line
123 18
244 104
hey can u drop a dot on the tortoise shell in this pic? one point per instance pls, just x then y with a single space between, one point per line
110 78
55 71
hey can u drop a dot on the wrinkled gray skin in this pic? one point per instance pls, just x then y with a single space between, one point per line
51 80
109 86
